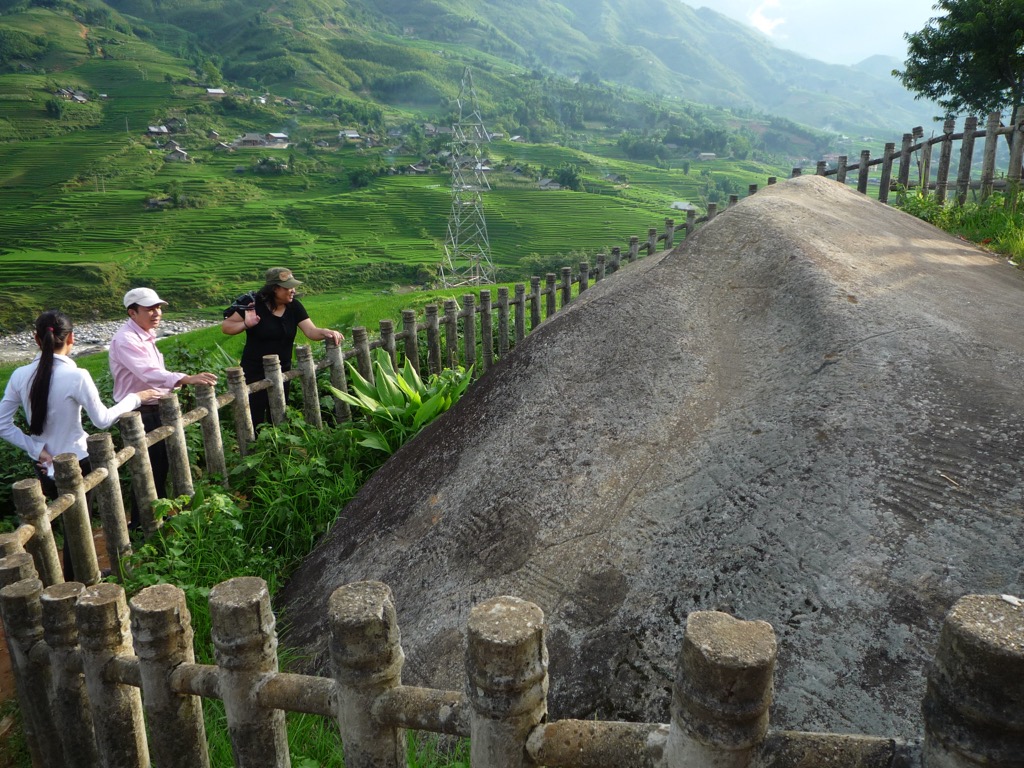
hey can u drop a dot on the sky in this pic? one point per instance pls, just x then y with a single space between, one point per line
835 31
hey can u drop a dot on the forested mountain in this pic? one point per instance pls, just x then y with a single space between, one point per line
132 135
402 51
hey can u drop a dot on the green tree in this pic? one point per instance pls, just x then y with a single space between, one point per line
55 108
971 59
568 175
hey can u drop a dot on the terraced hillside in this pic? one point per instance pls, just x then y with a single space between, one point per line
89 205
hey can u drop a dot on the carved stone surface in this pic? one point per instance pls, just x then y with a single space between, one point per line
808 413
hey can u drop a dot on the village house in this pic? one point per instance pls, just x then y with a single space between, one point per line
251 140
682 205
349 134
171 145
548 184
157 130
706 155
215 93
178 155
212 134
220 146
276 138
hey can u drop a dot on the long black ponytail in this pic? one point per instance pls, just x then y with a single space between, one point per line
52 330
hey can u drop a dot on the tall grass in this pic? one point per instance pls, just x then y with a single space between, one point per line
992 224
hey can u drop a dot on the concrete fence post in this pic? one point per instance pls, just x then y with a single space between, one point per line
506 680
21 610
584 268
634 248
10 544
387 340
691 222
652 241
566 285
366 662
1013 173
772 180
451 333
963 176
722 692
310 391
245 648
15 567
469 331
240 409
988 155
820 167
550 295
31 506
339 380
364 363
974 703
903 178
520 302
503 329
133 433
162 632
670 233
534 302
278 402
177 448
430 318
77 528
862 171
109 501
796 172
213 443
712 211
69 699
751 190
886 180
486 331
601 267
411 334
945 157
616 258
102 615
734 199
841 162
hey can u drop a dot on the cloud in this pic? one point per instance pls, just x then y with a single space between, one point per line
762 18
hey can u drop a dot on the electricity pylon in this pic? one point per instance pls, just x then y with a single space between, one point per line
467 250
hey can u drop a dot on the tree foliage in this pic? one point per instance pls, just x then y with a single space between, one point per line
970 60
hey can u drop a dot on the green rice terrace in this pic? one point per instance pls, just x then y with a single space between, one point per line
89 204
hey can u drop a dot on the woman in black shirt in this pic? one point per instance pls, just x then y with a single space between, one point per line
270 318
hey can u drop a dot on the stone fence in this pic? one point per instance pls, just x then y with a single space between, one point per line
101 669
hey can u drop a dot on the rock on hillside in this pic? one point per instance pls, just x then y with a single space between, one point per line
807 414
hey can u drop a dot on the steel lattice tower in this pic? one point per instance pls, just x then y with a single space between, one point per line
467 250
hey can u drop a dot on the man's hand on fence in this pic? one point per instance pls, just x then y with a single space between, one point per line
198 378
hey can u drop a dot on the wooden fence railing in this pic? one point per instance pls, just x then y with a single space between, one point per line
94 671
474 334
909 166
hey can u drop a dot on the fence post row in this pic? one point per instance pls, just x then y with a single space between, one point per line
80 673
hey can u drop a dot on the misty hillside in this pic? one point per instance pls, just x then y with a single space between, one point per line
396 51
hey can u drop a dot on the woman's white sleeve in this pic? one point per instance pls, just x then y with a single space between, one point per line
32 445
101 416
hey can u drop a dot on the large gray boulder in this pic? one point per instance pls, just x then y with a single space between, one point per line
809 413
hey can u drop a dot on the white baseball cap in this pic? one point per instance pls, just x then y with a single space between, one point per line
144 297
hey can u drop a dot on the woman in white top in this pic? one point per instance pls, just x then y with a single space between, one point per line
52 390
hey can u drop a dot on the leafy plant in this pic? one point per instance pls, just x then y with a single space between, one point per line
398 403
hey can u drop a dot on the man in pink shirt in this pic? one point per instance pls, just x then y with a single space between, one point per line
137 364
